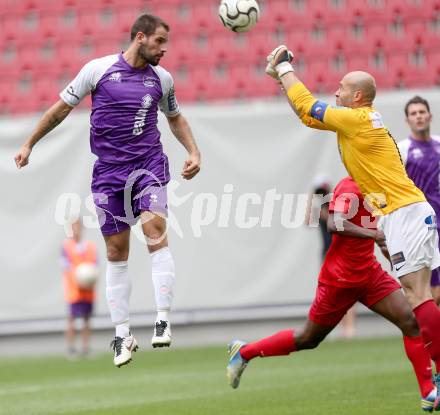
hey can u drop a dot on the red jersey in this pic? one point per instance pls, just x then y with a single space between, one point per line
349 259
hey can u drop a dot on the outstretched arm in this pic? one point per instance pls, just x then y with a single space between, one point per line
181 130
336 223
307 119
311 111
50 119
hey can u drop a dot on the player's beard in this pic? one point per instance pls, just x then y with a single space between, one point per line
148 57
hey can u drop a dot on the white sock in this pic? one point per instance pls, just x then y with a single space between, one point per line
162 315
123 329
118 295
163 276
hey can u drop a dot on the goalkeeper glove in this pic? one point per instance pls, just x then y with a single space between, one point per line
279 62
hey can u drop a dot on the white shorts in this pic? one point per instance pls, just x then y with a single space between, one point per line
412 238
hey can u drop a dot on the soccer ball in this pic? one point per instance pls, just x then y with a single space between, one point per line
239 15
86 275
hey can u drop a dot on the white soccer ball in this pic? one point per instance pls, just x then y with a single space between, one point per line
86 275
239 15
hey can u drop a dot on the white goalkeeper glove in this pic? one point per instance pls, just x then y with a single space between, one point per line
279 62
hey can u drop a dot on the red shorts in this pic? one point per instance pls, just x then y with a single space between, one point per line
331 303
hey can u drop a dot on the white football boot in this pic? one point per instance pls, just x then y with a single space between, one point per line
161 334
123 348
236 364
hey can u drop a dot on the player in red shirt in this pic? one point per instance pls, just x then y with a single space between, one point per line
350 273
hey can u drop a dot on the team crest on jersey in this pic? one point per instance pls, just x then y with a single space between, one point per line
115 76
149 81
146 101
416 153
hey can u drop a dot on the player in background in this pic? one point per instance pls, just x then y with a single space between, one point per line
76 251
350 273
321 188
421 156
371 157
131 173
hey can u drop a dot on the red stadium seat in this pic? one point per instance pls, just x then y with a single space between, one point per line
281 12
46 89
109 45
9 56
205 15
259 86
357 62
220 86
315 68
424 34
8 26
433 60
262 43
180 24
187 89
411 9
369 11
397 40
23 99
331 12
231 48
62 23
380 35
74 54
189 50
125 17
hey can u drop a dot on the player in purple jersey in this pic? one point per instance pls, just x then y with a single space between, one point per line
131 172
421 155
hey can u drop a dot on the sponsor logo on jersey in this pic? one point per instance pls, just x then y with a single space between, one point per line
115 76
71 92
431 221
149 81
376 120
172 102
146 101
139 119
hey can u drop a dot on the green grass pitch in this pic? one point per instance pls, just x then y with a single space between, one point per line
339 378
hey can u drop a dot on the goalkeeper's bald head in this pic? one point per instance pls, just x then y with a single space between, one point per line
362 83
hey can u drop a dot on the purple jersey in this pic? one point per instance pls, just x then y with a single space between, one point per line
422 163
125 103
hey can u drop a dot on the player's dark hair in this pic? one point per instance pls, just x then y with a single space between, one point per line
147 24
417 100
322 190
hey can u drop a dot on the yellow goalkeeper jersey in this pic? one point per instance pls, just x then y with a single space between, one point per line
367 149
